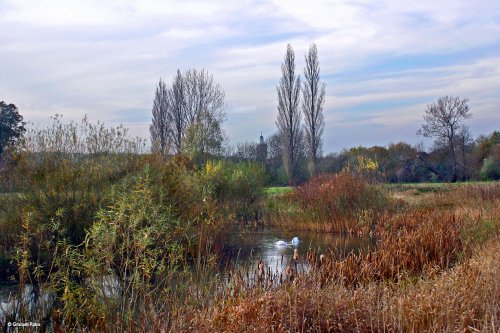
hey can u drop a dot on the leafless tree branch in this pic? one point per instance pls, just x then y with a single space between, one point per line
313 98
289 118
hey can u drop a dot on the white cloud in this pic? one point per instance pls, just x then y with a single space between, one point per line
99 57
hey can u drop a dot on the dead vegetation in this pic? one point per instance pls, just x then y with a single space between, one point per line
434 269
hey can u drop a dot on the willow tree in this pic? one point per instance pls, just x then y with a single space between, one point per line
313 98
289 119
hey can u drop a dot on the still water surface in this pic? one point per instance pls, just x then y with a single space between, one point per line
247 248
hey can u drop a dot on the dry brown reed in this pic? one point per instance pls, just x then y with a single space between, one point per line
408 244
433 270
469 195
465 298
340 202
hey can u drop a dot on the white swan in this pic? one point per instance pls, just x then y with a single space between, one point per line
282 243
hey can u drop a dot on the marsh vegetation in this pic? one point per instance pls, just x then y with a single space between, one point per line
114 239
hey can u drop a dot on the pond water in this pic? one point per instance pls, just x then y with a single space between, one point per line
248 248
244 251
10 301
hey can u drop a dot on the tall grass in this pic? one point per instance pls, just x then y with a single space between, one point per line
63 167
113 241
433 269
429 272
464 298
332 202
470 194
408 244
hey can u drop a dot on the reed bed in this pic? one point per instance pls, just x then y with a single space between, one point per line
408 245
470 195
422 277
464 298
433 269
329 203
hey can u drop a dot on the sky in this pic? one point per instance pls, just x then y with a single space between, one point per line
382 61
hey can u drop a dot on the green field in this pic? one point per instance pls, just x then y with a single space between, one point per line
277 190
431 187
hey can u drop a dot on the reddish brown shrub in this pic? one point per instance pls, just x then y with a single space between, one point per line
330 202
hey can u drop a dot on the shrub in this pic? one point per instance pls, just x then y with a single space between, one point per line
120 274
62 168
235 187
331 202
139 241
491 166
69 166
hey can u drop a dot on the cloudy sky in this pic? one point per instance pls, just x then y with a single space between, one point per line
382 61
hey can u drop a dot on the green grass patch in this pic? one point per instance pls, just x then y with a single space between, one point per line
432 187
277 190
479 233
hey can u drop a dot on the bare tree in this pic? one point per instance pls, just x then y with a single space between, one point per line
464 138
160 126
288 121
205 103
443 121
313 98
274 148
177 111
246 151
192 109
203 96
192 96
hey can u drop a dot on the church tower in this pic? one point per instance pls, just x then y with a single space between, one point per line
261 149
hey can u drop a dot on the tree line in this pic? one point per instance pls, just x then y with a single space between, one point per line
188 116
188 113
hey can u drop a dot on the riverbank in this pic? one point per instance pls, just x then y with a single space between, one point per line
422 238
436 268
464 297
